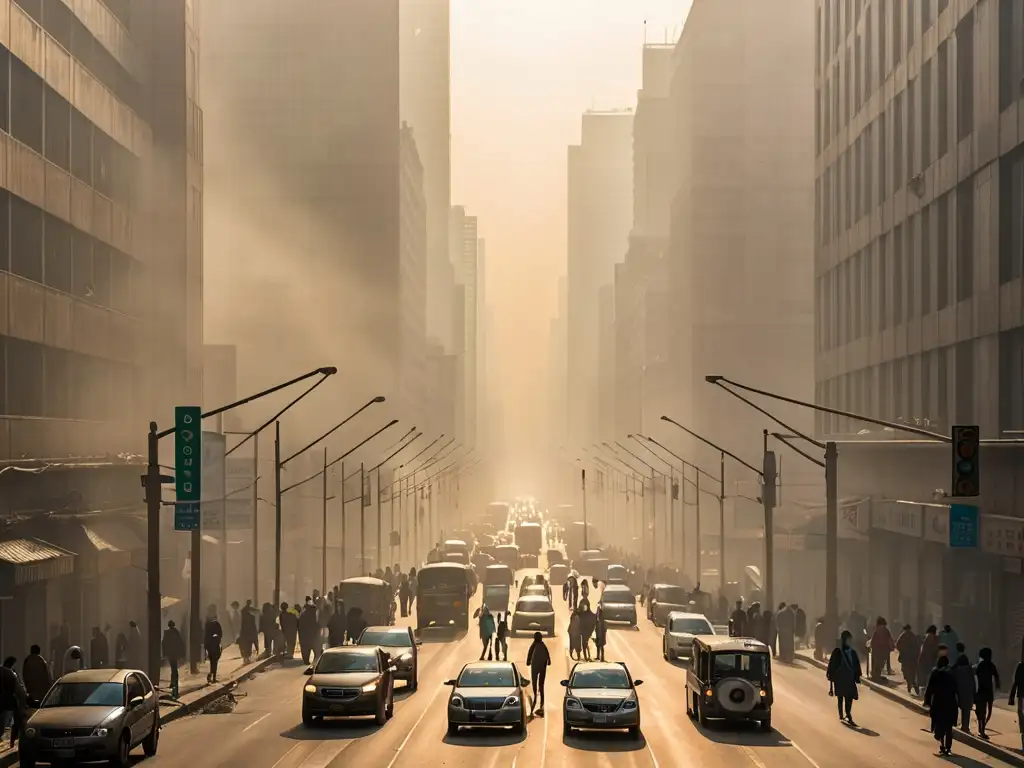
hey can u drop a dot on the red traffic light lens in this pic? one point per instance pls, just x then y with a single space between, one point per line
966 450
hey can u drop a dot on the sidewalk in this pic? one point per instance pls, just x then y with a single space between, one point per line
1004 736
194 692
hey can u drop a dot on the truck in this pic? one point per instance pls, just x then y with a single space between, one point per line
443 591
529 538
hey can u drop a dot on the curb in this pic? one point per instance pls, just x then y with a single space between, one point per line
990 749
189 708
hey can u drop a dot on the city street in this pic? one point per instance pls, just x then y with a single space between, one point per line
264 728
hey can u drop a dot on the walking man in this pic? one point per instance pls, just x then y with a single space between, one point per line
174 651
539 660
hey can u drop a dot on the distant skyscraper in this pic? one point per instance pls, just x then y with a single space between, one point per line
412 286
600 213
467 273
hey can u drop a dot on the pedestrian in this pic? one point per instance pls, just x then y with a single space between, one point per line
574 591
928 657
173 648
575 635
136 651
966 688
501 638
289 629
908 650
36 676
588 625
13 699
268 628
820 641
213 635
487 629
948 637
355 623
308 628
941 698
121 651
800 626
843 676
600 634
248 633
738 621
233 625
785 623
1016 691
988 683
404 595
59 644
767 632
882 645
99 649
538 660
585 590
338 626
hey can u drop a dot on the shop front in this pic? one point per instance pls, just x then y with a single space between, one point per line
27 567
1002 538
899 579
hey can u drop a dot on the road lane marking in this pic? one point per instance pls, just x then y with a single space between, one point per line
423 714
286 754
256 722
753 757
807 757
325 754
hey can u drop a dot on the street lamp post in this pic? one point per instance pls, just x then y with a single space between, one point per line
654 501
153 482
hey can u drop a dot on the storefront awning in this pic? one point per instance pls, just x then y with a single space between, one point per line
120 536
33 560
169 602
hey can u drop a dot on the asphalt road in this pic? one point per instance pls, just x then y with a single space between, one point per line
264 729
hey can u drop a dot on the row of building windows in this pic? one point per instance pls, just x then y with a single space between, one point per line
67 29
922 265
36 380
36 115
41 247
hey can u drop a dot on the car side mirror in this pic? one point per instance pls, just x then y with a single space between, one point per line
308 671
449 682
565 683
136 702
638 682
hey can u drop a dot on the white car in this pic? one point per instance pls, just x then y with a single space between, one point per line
680 629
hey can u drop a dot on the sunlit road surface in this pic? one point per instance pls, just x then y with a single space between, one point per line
264 730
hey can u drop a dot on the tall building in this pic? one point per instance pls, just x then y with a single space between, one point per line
741 247
600 204
425 55
306 184
100 289
466 259
412 287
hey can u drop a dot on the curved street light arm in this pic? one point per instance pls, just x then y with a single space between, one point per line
770 415
347 453
398 450
707 442
785 441
335 428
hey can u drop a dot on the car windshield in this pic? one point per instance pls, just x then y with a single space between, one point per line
85 695
487 677
386 639
673 595
536 589
600 678
691 627
752 666
335 663
617 595
534 606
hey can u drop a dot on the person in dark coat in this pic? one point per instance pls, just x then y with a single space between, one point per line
309 626
908 650
929 655
173 648
289 621
738 621
99 650
36 675
13 698
404 595
136 648
248 633
785 623
601 634
355 623
800 626
966 689
988 683
337 626
882 645
843 676
213 636
1016 691
768 632
820 639
943 702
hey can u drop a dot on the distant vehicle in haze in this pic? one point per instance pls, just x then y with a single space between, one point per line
530 538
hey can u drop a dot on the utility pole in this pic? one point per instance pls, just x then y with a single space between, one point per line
323 553
586 533
255 519
769 473
831 541
380 526
344 534
153 482
699 543
277 514
721 521
362 517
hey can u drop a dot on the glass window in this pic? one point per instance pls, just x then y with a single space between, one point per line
135 688
58 129
942 248
57 272
5 89
81 147
26 105
386 639
85 695
347 661
25 384
120 281
942 76
487 677
611 677
81 253
534 605
33 8
965 77
965 240
1011 216
691 627
752 666
5 230
58 20
57 372
101 273
26 239
102 163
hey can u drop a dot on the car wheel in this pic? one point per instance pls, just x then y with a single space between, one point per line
150 743
520 727
453 728
382 713
124 746
414 681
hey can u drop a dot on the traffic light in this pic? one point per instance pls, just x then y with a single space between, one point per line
966 455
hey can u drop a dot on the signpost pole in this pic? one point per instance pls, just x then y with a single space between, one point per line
188 450
344 537
323 565
255 519
380 526
362 518
154 494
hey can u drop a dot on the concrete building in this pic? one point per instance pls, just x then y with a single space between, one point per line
466 259
412 286
101 316
740 243
425 55
919 267
607 358
600 204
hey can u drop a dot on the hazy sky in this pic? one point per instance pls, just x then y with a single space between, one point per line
523 72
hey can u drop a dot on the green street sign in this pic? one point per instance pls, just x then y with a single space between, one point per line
188 458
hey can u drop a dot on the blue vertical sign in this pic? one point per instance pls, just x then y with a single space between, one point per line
188 476
963 526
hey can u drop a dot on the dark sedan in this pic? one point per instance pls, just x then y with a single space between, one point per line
402 646
618 604
350 681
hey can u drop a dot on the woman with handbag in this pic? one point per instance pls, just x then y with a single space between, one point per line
843 676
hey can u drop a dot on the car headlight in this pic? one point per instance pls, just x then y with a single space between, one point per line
370 687
30 732
511 701
100 732
456 701
631 704
310 689
573 704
